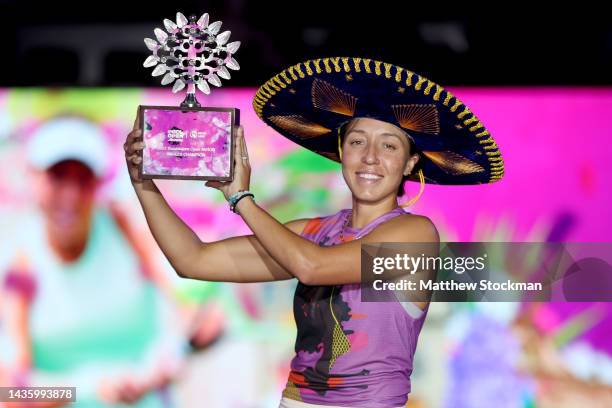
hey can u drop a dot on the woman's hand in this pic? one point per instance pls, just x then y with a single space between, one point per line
129 388
242 169
126 390
132 147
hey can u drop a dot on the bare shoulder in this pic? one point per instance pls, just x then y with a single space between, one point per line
418 227
406 228
417 221
297 226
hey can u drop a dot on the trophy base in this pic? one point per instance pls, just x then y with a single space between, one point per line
188 143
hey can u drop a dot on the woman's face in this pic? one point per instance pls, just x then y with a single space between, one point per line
375 157
66 193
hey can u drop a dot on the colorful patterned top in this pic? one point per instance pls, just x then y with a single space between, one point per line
349 352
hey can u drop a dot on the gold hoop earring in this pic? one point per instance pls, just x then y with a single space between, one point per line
339 145
421 189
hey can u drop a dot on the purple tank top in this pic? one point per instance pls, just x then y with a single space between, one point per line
350 352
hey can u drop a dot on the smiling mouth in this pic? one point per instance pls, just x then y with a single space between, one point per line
369 176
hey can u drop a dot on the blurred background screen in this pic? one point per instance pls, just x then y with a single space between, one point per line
87 299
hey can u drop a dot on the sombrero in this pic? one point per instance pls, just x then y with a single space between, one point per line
310 101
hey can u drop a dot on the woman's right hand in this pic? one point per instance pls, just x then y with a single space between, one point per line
133 152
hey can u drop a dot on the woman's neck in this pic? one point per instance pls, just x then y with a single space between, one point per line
364 213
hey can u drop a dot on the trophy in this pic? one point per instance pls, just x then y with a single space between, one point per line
189 141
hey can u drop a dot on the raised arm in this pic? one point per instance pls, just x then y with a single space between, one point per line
332 265
310 263
241 259
236 259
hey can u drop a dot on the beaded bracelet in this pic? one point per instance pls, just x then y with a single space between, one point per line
234 198
240 198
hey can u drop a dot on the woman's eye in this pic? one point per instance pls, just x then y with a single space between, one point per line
354 142
389 146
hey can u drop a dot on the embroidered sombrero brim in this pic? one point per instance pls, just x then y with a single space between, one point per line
309 101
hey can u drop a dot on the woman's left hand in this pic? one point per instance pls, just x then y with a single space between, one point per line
242 169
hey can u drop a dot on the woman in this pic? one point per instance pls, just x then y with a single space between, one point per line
381 122
62 329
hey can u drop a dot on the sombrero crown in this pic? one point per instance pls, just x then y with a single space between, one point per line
310 101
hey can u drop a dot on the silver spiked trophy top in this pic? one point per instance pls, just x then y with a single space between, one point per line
192 54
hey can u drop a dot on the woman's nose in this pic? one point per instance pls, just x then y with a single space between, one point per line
68 193
370 155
